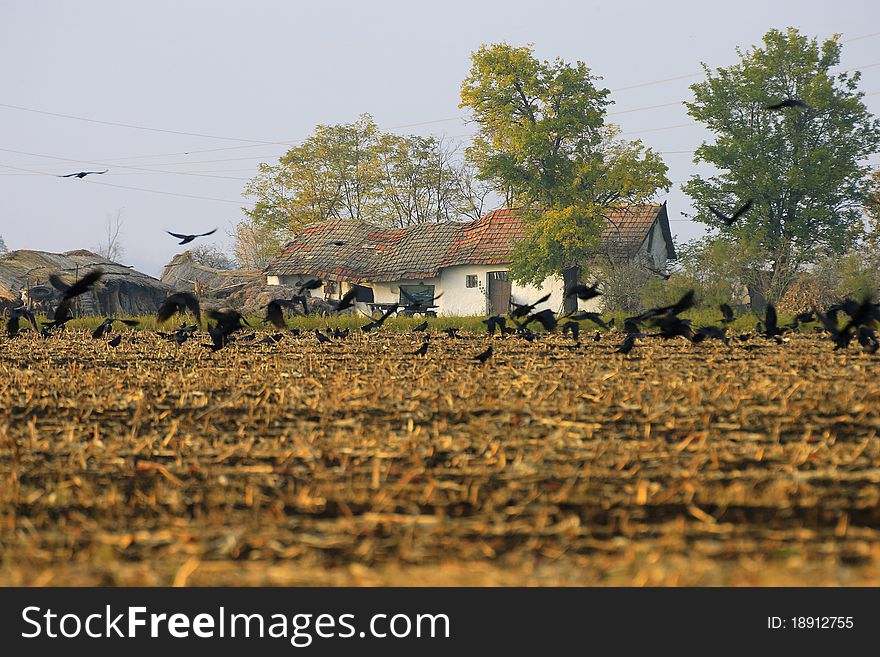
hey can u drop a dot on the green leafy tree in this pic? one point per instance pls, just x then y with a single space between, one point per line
802 166
544 141
354 171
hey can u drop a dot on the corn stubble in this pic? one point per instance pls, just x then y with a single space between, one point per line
357 463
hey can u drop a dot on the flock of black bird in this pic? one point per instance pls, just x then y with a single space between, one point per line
665 320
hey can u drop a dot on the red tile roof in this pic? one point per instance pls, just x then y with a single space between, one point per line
355 251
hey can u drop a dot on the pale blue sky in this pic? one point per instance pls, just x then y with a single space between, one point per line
269 71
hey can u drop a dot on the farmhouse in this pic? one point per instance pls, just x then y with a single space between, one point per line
456 268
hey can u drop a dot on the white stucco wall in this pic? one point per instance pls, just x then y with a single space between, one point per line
457 299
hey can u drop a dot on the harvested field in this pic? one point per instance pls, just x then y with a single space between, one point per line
353 463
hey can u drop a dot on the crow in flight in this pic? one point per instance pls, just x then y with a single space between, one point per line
545 317
347 301
275 314
376 323
788 102
178 302
727 313
83 174
105 326
583 292
68 293
15 315
771 328
522 310
593 317
186 239
705 332
728 221
495 322
575 329
310 284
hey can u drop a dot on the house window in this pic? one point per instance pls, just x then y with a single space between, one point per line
470 280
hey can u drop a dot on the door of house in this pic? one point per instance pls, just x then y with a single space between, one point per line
499 292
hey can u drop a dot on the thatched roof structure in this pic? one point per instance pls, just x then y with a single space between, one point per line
243 289
24 276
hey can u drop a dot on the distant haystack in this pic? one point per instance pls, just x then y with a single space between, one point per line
243 289
24 277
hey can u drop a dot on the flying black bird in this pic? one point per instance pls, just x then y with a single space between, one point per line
228 321
841 338
219 338
179 302
322 339
15 315
347 301
495 322
788 102
310 284
545 317
583 292
522 309
416 305
631 327
800 318
728 221
686 302
376 323
105 326
771 328
593 317
68 293
421 327
275 314
705 332
421 351
83 174
483 357
186 239
575 329
868 339
671 326
727 313
81 286
115 341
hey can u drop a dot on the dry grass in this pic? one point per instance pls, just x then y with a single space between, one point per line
353 463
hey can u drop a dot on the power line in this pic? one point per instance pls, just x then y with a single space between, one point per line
135 127
138 189
158 191
121 166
